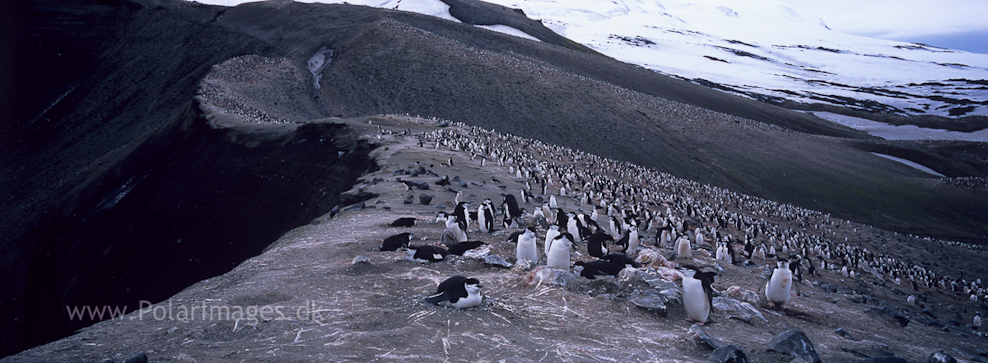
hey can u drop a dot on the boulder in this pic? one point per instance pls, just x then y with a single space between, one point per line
139 357
794 342
743 294
544 275
844 333
361 260
889 314
940 356
738 309
702 336
728 354
494 260
652 258
650 300
884 360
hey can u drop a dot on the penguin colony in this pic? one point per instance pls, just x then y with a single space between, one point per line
626 208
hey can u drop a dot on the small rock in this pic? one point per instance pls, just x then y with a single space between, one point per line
650 300
844 333
409 200
890 314
496 260
355 206
884 360
743 294
870 351
941 356
745 311
360 260
669 274
425 199
543 275
480 253
728 354
652 258
140 357
700 334
796 343
931 322
525 265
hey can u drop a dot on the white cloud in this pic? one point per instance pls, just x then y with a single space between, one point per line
898 19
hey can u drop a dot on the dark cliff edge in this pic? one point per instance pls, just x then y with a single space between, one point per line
120 188
190 203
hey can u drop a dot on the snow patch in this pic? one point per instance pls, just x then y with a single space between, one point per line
912 164
509 30
905 132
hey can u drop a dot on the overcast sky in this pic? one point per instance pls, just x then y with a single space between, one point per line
960 24
957 24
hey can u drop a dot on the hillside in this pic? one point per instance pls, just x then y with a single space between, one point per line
130 187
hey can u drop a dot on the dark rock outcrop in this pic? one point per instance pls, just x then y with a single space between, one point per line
794 342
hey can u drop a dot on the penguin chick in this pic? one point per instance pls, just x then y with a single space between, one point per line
458 291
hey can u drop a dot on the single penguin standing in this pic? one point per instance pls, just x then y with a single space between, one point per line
550 235
510 206
459 291
527 249
558 256
460 215
779 287
698 294
485 216
634 241
683 248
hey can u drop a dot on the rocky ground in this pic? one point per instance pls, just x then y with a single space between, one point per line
314 299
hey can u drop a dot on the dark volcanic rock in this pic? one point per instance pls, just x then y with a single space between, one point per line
889 314
884 360
844 333
795 343
728 354
425 199
701 334
137 358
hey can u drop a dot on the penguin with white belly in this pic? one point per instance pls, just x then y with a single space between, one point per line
527 249
778 289
698 294
459 292
558 256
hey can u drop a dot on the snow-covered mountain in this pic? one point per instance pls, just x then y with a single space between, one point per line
760 49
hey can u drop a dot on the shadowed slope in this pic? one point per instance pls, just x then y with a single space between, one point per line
127 106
